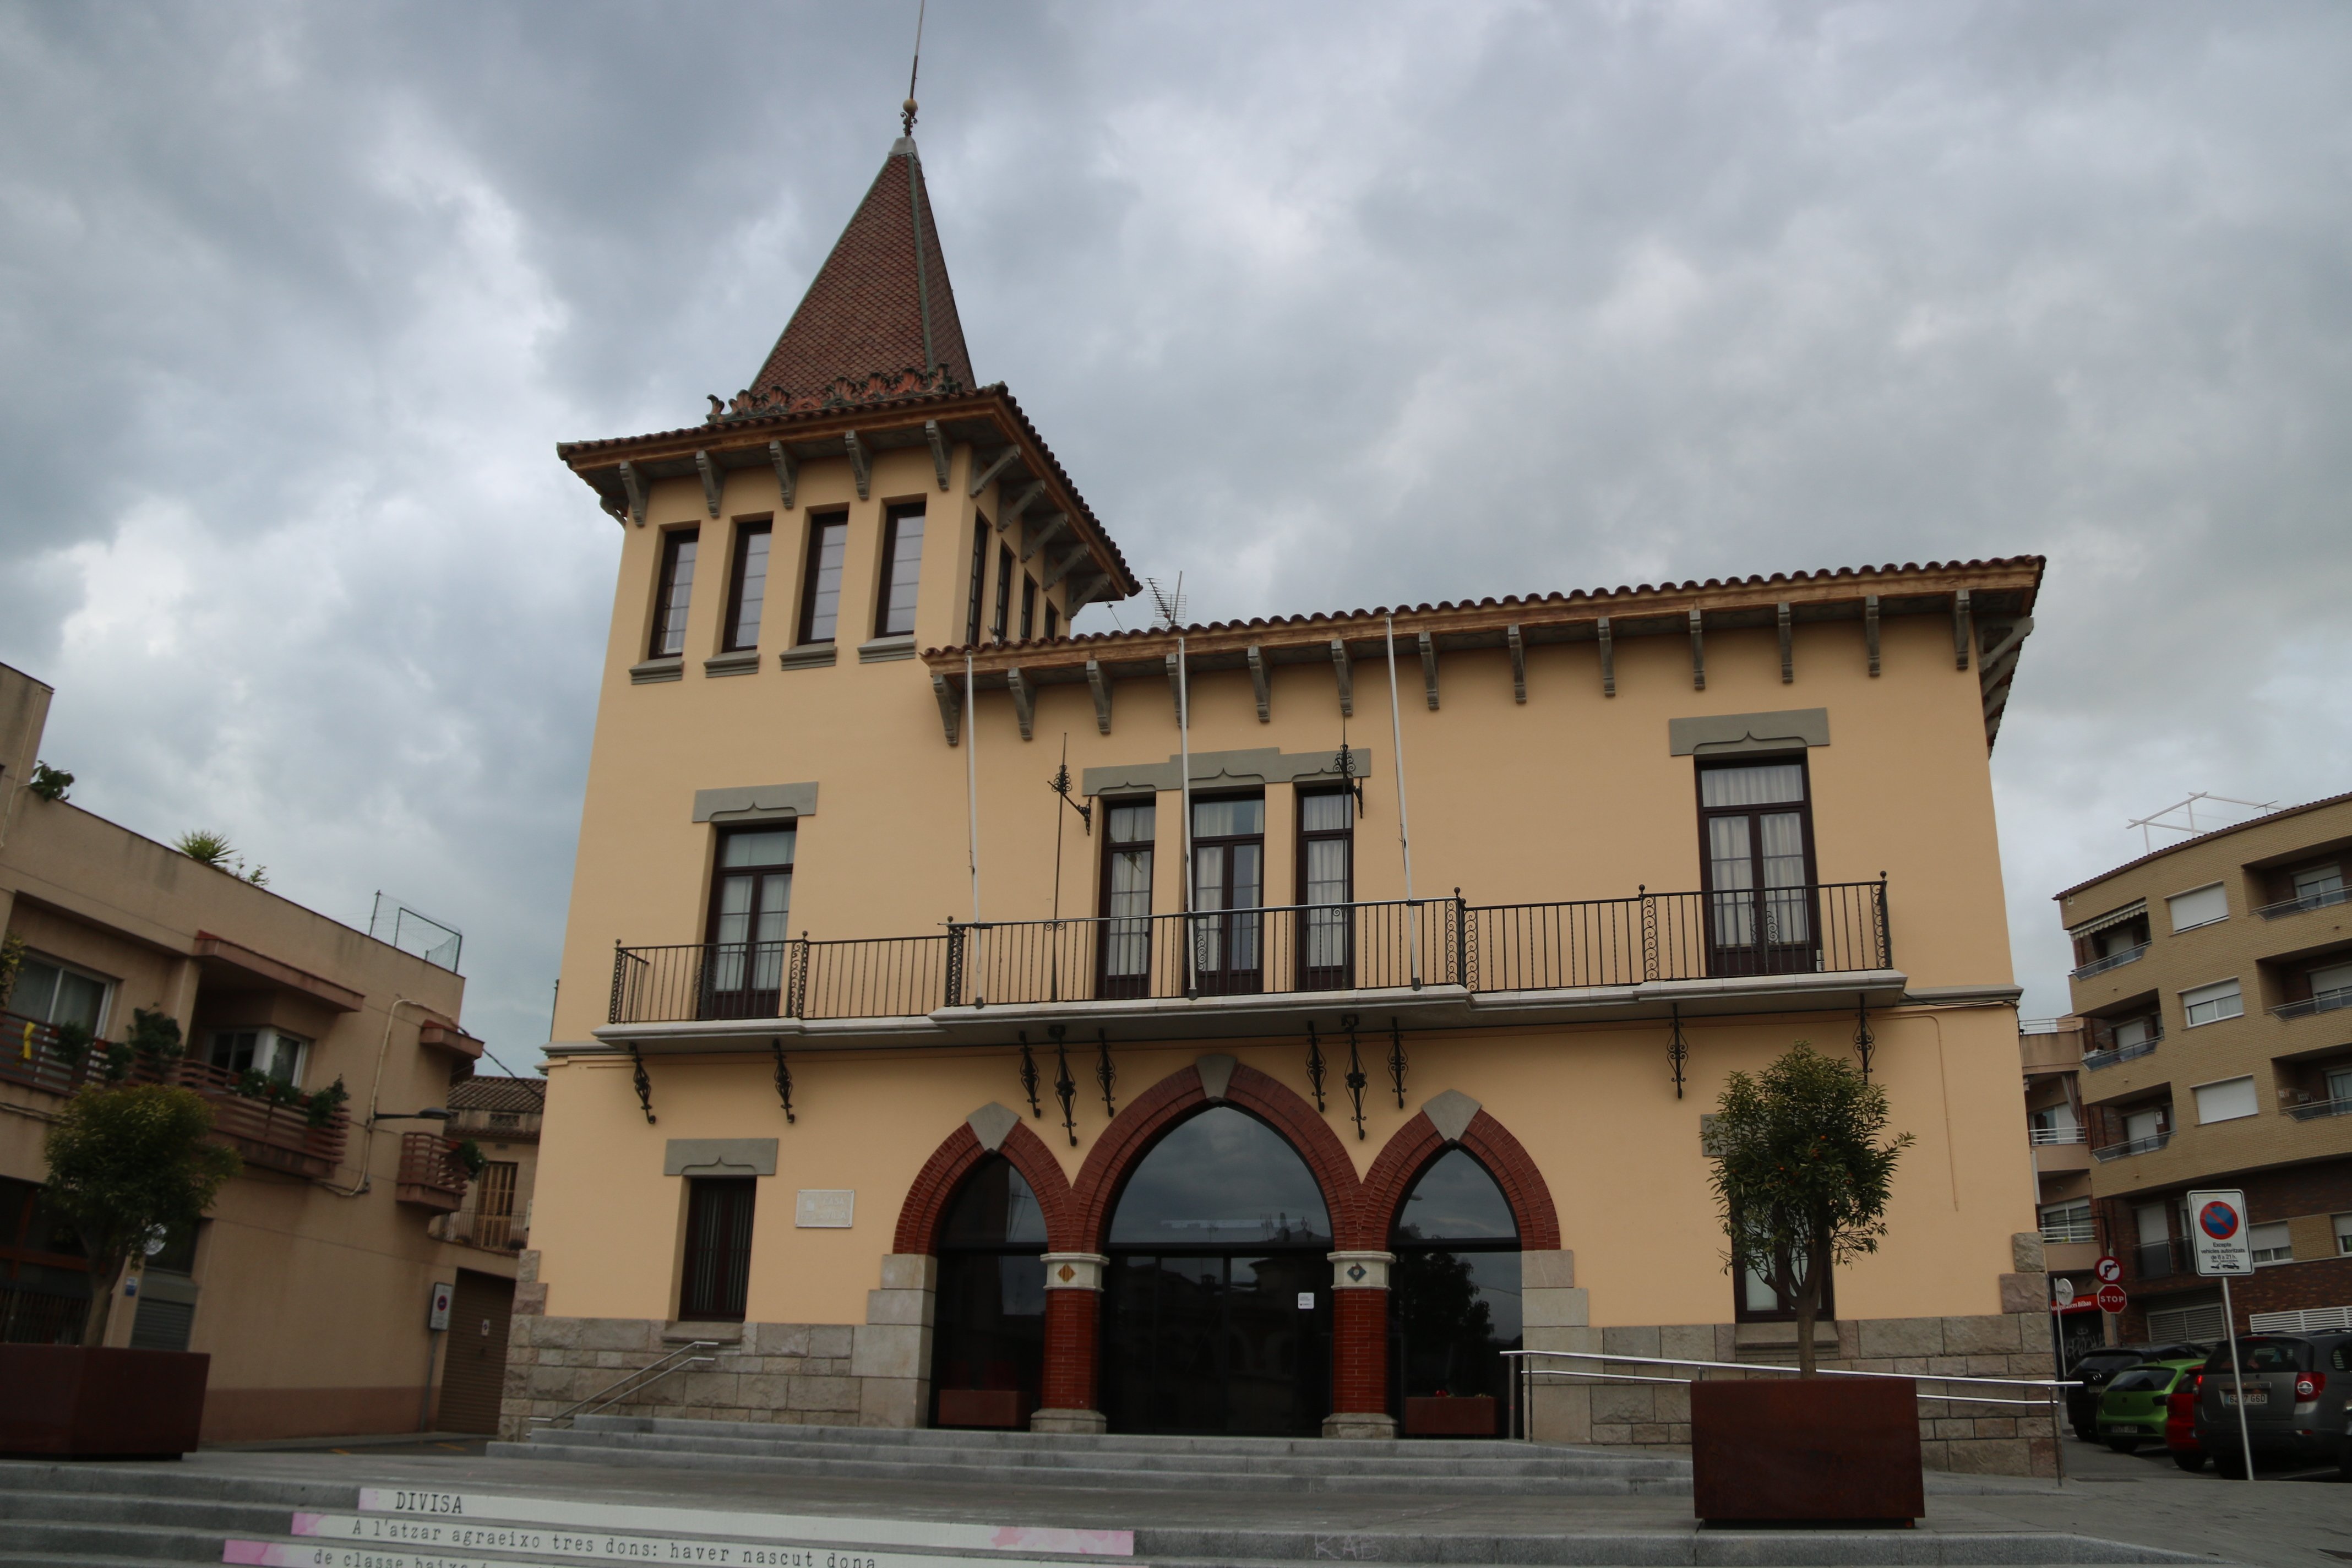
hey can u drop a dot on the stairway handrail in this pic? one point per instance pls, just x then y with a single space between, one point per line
652 1373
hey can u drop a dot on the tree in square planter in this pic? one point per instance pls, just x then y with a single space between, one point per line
1803 1171
125 1161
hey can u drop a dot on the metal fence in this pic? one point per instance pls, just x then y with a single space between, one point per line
1278 950
35 1317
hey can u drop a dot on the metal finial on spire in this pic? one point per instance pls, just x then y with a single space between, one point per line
906 109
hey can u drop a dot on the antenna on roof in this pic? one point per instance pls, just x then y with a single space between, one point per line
907 112
2189 806
1170 602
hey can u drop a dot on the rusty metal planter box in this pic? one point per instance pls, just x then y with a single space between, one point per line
74 1402
1798 1448
1470 1415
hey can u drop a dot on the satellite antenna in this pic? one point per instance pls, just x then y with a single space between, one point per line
1169 603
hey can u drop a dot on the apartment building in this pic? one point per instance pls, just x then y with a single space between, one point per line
2051 1052
1341 1018
308 1281
2215 979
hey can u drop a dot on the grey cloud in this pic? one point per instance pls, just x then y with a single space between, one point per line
1322 305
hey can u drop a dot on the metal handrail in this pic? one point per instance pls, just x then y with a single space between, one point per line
2108 1056
2320 1002
2112 960
652 1374
2130 1146
2311 1110
1527 1372
2047 1136
2295 906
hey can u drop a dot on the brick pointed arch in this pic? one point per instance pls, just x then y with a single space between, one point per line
1417 1143
934 1186
1179 1096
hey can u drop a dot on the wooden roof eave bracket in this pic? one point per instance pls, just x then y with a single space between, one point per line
1176 687
1429 668
1100 684
714 480
983 477
1962 630
1518 646
1034 539
1608 658
788 472
1347 674
1258 684
1698 652
1025 701
938 445
1787 645
861 463
951 699
635 488
1060 569
1870 628
1006 516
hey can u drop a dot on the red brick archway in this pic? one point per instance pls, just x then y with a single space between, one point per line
934 1187
1417 1143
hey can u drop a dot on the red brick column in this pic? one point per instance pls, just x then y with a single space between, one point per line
1360 1346
1073 1343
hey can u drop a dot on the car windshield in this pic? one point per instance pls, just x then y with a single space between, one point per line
2264 1355
2141 1380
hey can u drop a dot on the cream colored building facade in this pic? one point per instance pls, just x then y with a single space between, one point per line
2215 978
308 1281
858 1011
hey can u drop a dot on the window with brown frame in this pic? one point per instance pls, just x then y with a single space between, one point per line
902 563
828 539
1327 875
718 1271
1028 606
1053 620
747 586
1227 952
751 914
978 583
1003 623
1756 851
1765 1295
1125 961
672 592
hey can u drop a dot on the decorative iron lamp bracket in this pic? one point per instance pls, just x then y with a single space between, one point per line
784 1082
1678 1050
1029 1077
1356 1080
1315 1069
644 1085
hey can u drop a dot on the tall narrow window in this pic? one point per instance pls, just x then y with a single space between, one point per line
978 583
747 589
1126 897
750 911
1003 623
1757 834
902 562
1327 875
1454 1296
670 597
1028 606
1052 621
718 1248
1229 888
820 584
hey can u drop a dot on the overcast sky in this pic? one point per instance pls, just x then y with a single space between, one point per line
1324 306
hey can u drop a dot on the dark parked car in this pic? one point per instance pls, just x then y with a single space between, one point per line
2296 1406
2095 1369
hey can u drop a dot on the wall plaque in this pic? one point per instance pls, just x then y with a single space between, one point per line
824 1209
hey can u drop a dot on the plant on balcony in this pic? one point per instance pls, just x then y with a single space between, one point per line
50 783
151 1048
1802 1175
124 1161
209 848
469 1154
12 959
320 1109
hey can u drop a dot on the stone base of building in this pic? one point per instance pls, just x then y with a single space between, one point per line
1085 1423
1655 1419
1360 1424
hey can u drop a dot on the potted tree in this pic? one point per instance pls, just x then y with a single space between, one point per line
1803 1171
125 1161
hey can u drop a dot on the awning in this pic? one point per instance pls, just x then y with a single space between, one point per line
2131 911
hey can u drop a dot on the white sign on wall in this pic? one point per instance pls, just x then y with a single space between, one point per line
821 1208
2217 1233
437 1310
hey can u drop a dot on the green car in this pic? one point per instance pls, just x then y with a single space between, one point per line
2131 1410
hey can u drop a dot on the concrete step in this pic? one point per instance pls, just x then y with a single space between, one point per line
975 1438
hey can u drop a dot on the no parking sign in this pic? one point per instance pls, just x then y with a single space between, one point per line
2217 1233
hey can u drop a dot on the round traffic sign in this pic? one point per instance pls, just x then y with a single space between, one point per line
2062 1290
2218 1220
2108 1269
2111 1298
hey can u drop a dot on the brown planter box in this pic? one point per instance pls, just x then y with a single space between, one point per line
1007 1407
72 1402
1472 1415
1806 1448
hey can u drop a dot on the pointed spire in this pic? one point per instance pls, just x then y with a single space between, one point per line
880 318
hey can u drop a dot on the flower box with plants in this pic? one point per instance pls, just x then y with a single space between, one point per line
1804 1173
126 1163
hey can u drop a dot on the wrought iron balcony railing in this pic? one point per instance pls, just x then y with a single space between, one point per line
2319 1110
2324 1002
2113 961
2093 1061
1281 950
2129 1146
2325 899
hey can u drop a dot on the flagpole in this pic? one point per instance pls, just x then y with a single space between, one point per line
1185 786
972 785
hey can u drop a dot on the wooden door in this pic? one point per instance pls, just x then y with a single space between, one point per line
479 1314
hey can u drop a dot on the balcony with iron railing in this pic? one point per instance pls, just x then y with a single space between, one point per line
2108 1056
1392 945
2320 1110
2328 1000
273 1126
2070 1230
2112 960
2161 1259
2047 1136
2326 898
2149 1144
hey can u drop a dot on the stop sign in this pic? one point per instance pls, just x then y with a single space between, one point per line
2111 1298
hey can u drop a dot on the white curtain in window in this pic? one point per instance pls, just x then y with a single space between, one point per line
1771 783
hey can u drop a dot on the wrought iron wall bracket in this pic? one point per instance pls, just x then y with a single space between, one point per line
1106 1074
784 1082
1396 1061
644 1085
1678 1050
1866 1044
1065 1088
1356 1080
1315 1067
1029 1077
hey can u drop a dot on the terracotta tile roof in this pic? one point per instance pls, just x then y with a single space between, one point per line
2148 859
524 1094
881 305
1613 601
